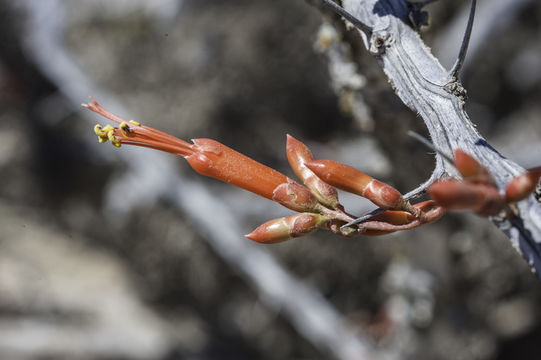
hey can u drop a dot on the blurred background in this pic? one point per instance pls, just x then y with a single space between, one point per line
128 254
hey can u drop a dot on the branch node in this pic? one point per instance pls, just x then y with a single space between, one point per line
454 87
380 41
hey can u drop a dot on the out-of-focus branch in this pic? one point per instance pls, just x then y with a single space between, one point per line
308 311
424 86
313 316
346 80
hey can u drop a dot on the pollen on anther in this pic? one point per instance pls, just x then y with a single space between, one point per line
135 123
107 129
125 128
102 135
98 130
112 138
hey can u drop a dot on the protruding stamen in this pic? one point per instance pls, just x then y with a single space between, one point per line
125 128
98 130
112 138
108 128
102 135
135 123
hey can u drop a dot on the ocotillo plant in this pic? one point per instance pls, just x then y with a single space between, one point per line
316 201
389 32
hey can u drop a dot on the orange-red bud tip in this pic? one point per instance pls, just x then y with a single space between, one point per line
457 195
297 155
522 185
296 197
354 181
471 169
395 217
285 228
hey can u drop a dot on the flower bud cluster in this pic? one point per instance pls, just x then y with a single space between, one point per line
316 201
478 192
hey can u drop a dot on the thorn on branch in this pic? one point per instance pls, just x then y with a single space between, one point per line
455 71
349 17
431 146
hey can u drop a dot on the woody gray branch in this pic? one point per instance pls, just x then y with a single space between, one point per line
423 85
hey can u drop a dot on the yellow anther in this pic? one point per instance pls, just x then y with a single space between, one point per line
125 128
99 130
114 140
111 135
108 128
135 122
102 135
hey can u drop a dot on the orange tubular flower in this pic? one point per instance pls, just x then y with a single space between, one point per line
317 202
298 155
216 160
207 157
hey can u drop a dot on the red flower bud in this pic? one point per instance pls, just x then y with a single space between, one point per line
283 229
390 221
297 155
395 217
472 170
458 195
522 185
296 197
352 180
